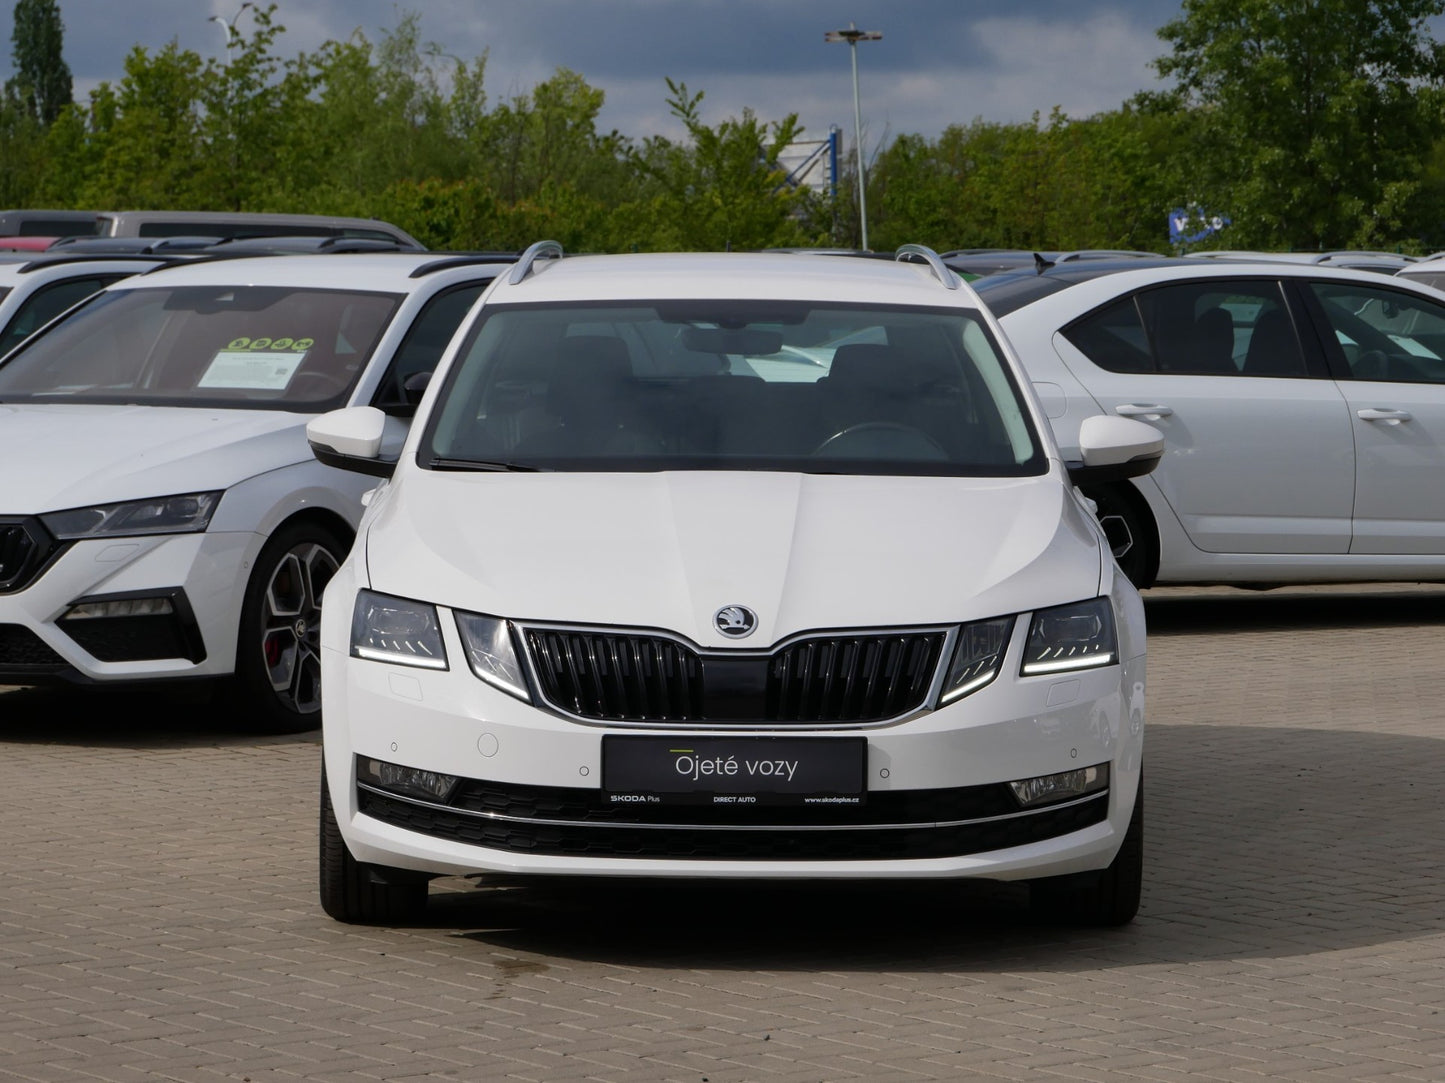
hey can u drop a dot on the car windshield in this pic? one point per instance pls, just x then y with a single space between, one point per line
242 346
732 385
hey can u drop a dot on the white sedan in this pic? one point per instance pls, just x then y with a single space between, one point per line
161 516
1303 411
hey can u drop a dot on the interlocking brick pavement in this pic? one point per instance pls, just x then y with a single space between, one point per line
158 918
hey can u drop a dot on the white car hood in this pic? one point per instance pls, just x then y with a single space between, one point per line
667 550
69 455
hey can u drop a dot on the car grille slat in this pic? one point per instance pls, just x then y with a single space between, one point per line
611 677
625 676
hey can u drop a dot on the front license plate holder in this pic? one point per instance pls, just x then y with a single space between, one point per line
733 771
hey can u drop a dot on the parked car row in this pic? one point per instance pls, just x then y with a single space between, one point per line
735 565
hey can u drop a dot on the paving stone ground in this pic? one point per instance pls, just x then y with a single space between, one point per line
158 915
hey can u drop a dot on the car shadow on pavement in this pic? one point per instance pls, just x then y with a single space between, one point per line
1174 611
1261 843
155 716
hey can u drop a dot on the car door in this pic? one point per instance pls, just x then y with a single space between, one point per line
1387 349
1259 456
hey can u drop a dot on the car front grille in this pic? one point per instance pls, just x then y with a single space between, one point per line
890 826
25 548
617 676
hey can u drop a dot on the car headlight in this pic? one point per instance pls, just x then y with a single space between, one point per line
977 657
396 630
189 513
1069 637
492 654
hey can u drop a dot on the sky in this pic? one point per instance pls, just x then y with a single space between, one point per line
940 62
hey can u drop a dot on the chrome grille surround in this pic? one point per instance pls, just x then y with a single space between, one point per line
816 679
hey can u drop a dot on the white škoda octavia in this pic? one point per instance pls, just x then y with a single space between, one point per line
731 566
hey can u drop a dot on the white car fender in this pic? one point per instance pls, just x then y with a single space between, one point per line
263 502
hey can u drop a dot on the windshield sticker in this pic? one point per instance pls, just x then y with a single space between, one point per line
252 370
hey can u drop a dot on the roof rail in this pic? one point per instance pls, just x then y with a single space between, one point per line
1348 253
284 244
459 259
930 257
549 249
118 257
1102 253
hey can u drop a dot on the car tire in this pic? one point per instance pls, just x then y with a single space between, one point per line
362 894
278 645
1106 898
1127 524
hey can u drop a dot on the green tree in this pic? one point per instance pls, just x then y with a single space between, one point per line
1105 181
548 138
723 190
41 86
1316 115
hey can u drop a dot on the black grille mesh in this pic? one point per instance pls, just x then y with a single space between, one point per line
635 677
19 646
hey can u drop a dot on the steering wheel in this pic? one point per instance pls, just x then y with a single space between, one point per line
910 432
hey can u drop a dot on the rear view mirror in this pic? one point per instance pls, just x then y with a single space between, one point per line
415 386
742 340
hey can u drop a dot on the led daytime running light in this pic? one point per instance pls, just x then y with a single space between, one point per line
492 653
977 657
1071 637
396 630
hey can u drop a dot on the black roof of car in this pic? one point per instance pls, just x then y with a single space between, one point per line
1010 290
987 261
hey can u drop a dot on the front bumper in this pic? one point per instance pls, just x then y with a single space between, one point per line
530 801
198 575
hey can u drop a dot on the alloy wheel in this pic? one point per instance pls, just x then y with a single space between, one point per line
291 625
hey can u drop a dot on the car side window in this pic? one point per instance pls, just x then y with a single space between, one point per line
424 344
1383 334
1113 338
46 303
1218 327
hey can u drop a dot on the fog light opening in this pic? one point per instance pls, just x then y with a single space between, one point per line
1065 786
121 607
404 781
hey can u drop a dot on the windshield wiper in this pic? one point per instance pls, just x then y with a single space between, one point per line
439 463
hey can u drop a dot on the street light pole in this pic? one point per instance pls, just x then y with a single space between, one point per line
853 36
229 27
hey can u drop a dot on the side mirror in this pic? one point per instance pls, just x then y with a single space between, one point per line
351 439
1115 448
